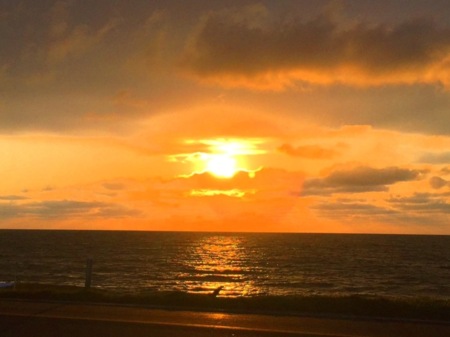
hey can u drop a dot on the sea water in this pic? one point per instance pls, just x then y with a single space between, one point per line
245 264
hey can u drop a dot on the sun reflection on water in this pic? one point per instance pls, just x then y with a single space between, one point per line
219 261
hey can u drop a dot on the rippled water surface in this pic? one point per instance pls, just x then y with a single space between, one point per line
244 264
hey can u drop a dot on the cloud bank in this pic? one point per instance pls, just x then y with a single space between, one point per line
308 151
250 48
60 209
359 180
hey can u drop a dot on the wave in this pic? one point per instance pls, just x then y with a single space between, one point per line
208 278
254 264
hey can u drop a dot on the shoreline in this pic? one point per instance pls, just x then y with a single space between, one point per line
349 307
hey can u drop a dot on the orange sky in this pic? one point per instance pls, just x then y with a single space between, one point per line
287 116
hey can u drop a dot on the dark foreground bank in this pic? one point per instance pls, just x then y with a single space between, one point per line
319 306
64 319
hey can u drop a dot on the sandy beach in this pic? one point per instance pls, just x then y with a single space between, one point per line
27 318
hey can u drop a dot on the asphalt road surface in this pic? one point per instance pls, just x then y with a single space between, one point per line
48 319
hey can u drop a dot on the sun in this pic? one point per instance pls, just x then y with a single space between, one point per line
221 157
221 165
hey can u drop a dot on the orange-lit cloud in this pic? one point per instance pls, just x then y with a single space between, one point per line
236 193
101 128
308 151
252 48
151 203
441 157
267 181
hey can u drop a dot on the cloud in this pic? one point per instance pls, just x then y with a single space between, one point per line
423 203
248 47
264 180
65 40
61 209
358 180
421 211
235 193
114 186
308 151
239 203
43 35
12 197
438 182
351 209
436 158
55 53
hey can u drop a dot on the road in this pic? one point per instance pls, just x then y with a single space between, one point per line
28 318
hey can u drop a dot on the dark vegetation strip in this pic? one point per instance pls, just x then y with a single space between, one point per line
358 305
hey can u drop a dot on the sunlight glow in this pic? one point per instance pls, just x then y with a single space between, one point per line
221 157
222 166
221 255
235 192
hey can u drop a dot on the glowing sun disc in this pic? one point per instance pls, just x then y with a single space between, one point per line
221 166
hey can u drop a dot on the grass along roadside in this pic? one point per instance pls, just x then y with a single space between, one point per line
358 305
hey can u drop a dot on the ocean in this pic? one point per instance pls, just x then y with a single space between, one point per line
245 264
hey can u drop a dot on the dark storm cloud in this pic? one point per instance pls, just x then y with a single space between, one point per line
250 43
358 180
59 209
